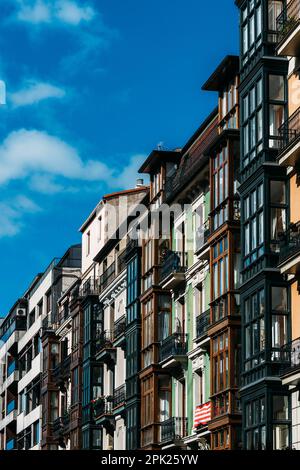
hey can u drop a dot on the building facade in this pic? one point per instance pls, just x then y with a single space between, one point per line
175 322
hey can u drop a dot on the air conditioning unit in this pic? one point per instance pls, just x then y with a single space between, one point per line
21 312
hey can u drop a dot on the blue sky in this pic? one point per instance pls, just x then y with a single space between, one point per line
92 87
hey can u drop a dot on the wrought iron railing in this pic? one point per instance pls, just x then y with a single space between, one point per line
289 131
103 406
174 345
104 339
202 324
288 19
173 429
61 424
119 396
173 262
290 356
108 276
119 327
90 287
290 242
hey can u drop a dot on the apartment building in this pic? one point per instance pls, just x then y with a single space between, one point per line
288 44
184 275
266 318
224 242
21 353
104 302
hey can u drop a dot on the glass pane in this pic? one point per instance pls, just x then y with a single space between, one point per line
280 408
279 299
280 437
279 331
278 192
276 116
276 87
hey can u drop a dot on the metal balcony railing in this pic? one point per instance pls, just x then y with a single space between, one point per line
119 396
104 339
174 345
289 131
290 357
174 262
119 327
103 406
61 424
89 287
288 19
202 324
290 242
108 276
173 429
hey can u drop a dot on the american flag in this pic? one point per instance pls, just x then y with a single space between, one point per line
202 414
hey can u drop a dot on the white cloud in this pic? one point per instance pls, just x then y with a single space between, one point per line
46 161
12 212
49 11
34 92
70 12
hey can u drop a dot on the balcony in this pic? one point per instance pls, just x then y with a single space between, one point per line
173 430
107 277
61 373
173 352
290 369
288 27
19 324
104 348
289 260
103 413
119 330
289 132
202 325
172 272
89 288
61 425
119 397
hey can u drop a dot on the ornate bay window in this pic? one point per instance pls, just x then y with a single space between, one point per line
251 29
278 208
148 332
252 122
254 321
220 188
277 106
253 216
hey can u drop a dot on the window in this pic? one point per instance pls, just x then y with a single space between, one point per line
147 401
275 7
99 228
48 302
220 268
253 226
277 104
164 317
40 308
54 411
220 188
279 321
164 397
251 24
31 318
88 243
252 122
254 321
278 207
228 101
36 433
75 386
220 363
255 424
